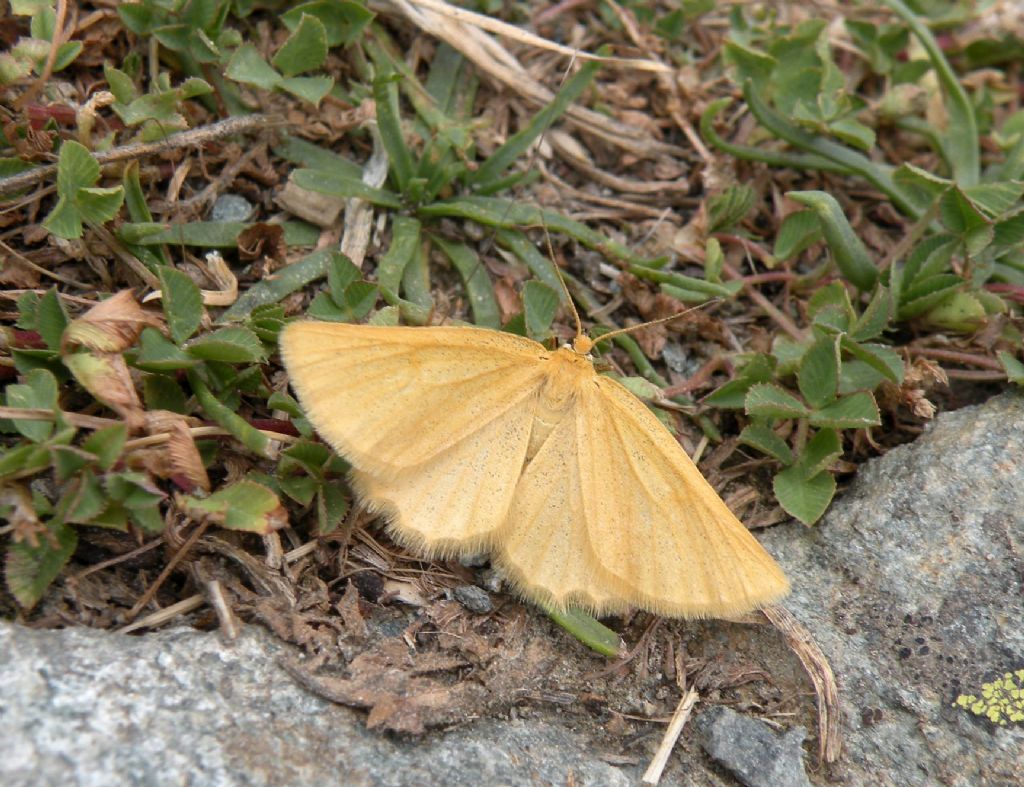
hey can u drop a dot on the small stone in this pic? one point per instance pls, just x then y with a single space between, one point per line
231 207
752 751
474 599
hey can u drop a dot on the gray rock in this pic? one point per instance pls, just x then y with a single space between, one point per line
912 585
83 707
474 599
753 752
231 207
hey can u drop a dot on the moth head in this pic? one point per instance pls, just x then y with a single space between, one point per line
582 344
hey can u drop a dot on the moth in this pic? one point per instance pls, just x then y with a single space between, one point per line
473 441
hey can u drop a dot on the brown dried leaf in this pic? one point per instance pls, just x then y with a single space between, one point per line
389 682
21 514
348 608
222 276
106 377
262 240
111 326
16 274
179 458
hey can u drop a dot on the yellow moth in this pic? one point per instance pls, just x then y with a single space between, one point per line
471 441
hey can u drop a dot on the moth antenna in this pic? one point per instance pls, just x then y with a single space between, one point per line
561 280
632 328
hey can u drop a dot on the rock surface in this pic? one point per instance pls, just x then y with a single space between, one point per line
753 753
912 585
179 707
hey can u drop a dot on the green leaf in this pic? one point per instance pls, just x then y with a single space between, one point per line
31 570
588 630
821 450
730 207
305 49
958 311
540 303
343 21
106 445
341 272
99 205
64 221
750 64
884 360
163 393
804 498
39 391
311 89
182 302
960 144
855 411
248 66
518 144
405 243
389 122
818 375
849 252
331 507
926 293
51 319
762 438
134 490
494 212
242 430
24 460
732 395
875 318
244 505
76 169
1014 368
230 345
306 455
478 285
798 232
86 500
158 354
994 199
714 259
358 299
768 400
338 184
300 488
287 280
222 234
858 376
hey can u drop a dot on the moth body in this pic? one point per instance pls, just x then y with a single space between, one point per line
470 440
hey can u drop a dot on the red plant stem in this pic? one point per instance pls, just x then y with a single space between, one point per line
767 306
956 356
698 379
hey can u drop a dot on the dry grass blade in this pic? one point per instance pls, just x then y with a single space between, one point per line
675 728
492 58
358 212
802 643
517 34
162 616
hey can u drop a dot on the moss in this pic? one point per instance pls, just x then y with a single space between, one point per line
1001 701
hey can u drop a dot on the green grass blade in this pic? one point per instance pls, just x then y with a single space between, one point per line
518 145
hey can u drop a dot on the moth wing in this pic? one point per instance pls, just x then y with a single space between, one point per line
544 547
453 503
390 398
655 524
